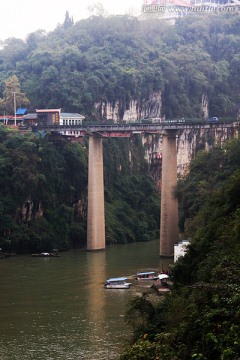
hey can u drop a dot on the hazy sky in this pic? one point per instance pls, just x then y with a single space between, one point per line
21 17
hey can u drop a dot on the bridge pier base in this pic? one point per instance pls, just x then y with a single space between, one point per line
96 213
169 205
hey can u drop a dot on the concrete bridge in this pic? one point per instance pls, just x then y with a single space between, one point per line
169 233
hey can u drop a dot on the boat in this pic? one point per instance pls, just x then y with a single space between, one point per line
163 276
117 283
147 275
46 254
163 280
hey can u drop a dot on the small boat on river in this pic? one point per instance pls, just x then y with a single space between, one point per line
147 275
46 254
117 283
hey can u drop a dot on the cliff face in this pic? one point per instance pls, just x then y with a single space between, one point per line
188 143
204 107
136 109
192 140
132 111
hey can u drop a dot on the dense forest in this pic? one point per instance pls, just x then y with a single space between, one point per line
120 58
43 184
200 318
43 193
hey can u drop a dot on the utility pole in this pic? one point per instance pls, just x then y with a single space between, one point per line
14 102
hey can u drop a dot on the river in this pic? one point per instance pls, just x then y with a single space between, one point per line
57 308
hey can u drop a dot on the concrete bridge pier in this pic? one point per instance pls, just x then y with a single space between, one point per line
169 205
96 213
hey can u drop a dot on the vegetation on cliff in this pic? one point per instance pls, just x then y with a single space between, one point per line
200 318
120 58
43 193
43 185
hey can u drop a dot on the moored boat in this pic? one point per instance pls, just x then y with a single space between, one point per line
46 254
117 283
147 275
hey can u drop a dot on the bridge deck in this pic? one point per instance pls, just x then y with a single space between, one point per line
128 129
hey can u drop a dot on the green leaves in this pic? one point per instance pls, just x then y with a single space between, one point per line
12 86
43 185
132 202
34 183
201 315
119 58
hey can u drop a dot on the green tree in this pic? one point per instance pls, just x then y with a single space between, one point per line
12 95
68 21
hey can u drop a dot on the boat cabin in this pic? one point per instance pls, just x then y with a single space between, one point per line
148 275
117 283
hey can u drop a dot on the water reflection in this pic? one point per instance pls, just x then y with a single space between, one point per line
58 309
96 262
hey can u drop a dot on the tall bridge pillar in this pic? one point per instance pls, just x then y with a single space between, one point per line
169 205
96 213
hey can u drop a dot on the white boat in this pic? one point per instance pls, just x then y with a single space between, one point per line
163 276
117 283
147 275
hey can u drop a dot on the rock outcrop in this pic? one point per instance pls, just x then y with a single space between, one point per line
132 111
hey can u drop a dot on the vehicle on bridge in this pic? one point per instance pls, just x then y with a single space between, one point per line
151 120
175 121
213 119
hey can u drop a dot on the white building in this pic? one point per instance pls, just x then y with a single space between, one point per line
71 119
180 249
47 117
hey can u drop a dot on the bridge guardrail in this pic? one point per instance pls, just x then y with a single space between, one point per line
167 125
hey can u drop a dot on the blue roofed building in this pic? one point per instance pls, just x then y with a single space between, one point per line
18 119
21 111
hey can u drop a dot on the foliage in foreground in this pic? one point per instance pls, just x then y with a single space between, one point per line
200 318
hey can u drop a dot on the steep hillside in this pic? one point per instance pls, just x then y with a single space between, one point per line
200 318
122 68
43 193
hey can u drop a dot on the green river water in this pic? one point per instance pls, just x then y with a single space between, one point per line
58 309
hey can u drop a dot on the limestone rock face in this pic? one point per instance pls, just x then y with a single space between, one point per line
132 111
188 143
204 105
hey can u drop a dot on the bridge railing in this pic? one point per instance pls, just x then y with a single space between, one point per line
166 125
